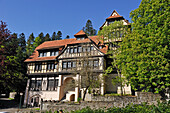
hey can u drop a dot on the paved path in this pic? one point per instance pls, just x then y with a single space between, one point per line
11 106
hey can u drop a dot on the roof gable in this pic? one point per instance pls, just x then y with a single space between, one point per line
80 33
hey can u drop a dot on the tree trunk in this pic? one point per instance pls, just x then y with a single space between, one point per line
85 91
121 86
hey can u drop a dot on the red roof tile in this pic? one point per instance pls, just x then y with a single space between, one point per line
54 44
81 32
59 44
104 49
115 16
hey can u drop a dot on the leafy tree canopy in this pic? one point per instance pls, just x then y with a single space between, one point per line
145 51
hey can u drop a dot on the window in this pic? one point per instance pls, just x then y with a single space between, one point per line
92 48
45 54
79 49
55 66
50 84
32 85
71 50
90 63
75 50
56 84
68 50
42 54
56 53
84 49
73 64
38 85
52 53
88 49
64 65
80 38
38 67
69 64
50 65
96 63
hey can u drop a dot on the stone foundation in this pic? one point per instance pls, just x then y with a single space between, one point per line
106 102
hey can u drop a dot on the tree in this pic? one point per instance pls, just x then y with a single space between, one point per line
21 53
29 47
10 76
47 37
41 36
37 42
88 29
110 35
145 51
67 37
59 35
22 42
53 36
89 79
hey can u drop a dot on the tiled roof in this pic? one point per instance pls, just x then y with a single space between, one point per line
81 32
59 44
104 49
54 44
115 16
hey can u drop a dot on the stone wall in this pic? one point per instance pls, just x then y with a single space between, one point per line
106 102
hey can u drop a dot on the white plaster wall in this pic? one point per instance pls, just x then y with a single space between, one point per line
45 95
69 94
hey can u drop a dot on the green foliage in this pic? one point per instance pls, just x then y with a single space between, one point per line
29 47
110 35
88 110
67 37
12 53
88 29
37 42
145 50
59 35
47 37
115 94
41 37
131 108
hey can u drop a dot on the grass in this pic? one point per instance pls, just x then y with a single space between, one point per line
11 98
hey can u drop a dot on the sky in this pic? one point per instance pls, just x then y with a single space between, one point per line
67 16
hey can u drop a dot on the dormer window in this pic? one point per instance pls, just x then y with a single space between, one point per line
80 35
54 53
80 38
42 54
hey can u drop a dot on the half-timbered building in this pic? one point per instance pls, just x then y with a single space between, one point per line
53 65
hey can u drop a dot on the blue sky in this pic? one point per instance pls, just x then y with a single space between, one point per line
68 16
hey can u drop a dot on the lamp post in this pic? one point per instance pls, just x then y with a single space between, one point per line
20 100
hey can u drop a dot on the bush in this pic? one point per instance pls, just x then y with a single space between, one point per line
131 108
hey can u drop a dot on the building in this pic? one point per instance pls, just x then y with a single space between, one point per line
55 64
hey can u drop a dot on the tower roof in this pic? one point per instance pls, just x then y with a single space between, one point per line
80 33
114 14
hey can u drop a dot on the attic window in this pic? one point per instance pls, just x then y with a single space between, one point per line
42 54
80 38
54 53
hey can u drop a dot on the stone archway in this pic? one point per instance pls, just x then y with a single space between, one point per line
72 97
35 100
69 85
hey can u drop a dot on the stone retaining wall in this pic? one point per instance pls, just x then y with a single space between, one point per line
105 102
